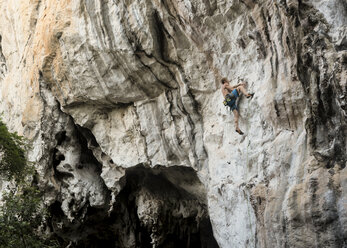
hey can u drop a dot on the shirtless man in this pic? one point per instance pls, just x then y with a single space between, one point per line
230 94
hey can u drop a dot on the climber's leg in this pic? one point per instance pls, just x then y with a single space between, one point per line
236 116
244 91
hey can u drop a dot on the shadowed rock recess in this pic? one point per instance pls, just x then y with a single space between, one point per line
121 101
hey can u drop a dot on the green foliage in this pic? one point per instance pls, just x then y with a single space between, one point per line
20 217
12 153
22 212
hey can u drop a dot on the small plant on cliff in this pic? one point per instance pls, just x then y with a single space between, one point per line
21 209
12 153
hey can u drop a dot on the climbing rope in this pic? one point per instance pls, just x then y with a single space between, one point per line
247 138
246 172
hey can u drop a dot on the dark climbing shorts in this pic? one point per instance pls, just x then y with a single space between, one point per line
230 100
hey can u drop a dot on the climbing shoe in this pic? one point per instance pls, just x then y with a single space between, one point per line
239 131
250 95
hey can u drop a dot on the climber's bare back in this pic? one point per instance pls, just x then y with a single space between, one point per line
225 91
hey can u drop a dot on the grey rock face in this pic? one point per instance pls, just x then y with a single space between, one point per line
122 102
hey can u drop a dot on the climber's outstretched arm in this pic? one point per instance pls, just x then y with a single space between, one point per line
231 88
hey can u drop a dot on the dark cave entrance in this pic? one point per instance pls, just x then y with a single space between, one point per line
164 207
168 206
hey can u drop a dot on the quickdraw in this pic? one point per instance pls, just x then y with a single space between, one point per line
228 99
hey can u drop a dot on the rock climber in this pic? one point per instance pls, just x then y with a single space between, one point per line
230 94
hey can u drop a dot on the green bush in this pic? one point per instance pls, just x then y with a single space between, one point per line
20 217
12 154
21 208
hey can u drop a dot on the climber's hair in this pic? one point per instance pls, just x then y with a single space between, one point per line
224 80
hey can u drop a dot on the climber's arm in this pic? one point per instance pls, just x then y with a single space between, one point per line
231 88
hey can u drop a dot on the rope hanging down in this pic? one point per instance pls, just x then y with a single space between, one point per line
246 173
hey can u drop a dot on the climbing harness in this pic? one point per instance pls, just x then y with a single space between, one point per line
230 100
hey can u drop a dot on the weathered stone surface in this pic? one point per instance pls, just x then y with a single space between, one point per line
109 90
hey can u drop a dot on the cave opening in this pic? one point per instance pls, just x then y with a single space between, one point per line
169 207
158 207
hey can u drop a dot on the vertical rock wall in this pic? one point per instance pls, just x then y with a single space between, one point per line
118 94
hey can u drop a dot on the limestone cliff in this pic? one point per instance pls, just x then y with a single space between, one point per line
121 100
